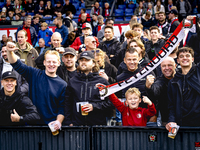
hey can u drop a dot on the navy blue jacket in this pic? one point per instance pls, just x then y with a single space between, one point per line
83 88
188 103
63 30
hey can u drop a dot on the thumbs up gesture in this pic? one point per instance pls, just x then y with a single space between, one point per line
15 117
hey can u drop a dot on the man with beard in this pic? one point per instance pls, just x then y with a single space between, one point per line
68 69
157 89
82 88
63 30
46 89
31 33
163 24
25 51
6 66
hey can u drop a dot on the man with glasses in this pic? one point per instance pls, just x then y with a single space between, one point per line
100 34
78 43
111 45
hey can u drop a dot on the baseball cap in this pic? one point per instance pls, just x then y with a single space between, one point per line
174 11
69 50
87 55
9 74
86 25
4 9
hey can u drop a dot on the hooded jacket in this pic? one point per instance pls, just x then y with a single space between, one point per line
82 88
32 54
184 95
23 106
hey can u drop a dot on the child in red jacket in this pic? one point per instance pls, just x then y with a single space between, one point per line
132 115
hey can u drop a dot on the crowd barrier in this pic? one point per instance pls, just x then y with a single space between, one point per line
98 138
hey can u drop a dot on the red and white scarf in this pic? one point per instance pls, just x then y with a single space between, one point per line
168 47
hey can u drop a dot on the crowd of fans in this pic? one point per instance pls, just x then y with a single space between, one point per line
55 77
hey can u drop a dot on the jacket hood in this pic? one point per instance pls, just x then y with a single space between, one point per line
145 18
28 46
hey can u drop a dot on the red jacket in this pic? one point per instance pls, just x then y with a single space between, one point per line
79 41
88 18
133 117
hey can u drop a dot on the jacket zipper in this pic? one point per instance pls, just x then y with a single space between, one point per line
86 97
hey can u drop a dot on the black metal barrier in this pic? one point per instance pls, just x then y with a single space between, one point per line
98 138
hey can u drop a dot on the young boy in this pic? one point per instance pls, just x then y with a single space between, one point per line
45 33
132 115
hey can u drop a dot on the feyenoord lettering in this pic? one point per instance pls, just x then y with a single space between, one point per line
168 47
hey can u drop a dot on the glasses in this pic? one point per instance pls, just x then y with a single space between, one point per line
95 51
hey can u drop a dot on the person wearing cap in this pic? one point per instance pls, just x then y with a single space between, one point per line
68 69
111 46
79 42
15 108
6 66
81 88
4 21
46 89
62 29
45 33
81 22
173 16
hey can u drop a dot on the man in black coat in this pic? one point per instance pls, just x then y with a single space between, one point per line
15 107
111 45
173 16
82 88
157 89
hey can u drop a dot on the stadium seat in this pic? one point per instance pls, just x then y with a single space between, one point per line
122 7
119 19
83 5
76 5
88 11
1 4
132 6
120 13
32 14
128 10
77 13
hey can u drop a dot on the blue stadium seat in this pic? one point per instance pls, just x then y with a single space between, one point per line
119 19
76 5
47 19
32 14
132 6
88 11
120 13
77 13
83 5
1 4
128 10
76 20
122 7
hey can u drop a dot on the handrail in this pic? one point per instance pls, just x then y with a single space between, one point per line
112 8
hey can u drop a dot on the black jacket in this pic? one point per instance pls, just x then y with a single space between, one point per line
111 72
164 27
184 98
23 106
83 88
22 83
158 93
188 7
69 7
64 74
112 49
174 26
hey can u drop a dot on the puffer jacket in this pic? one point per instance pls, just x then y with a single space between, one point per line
23 106
82 88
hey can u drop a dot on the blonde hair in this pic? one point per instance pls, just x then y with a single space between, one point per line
132 91
101 54
52 52
44 24
140 44
131 33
